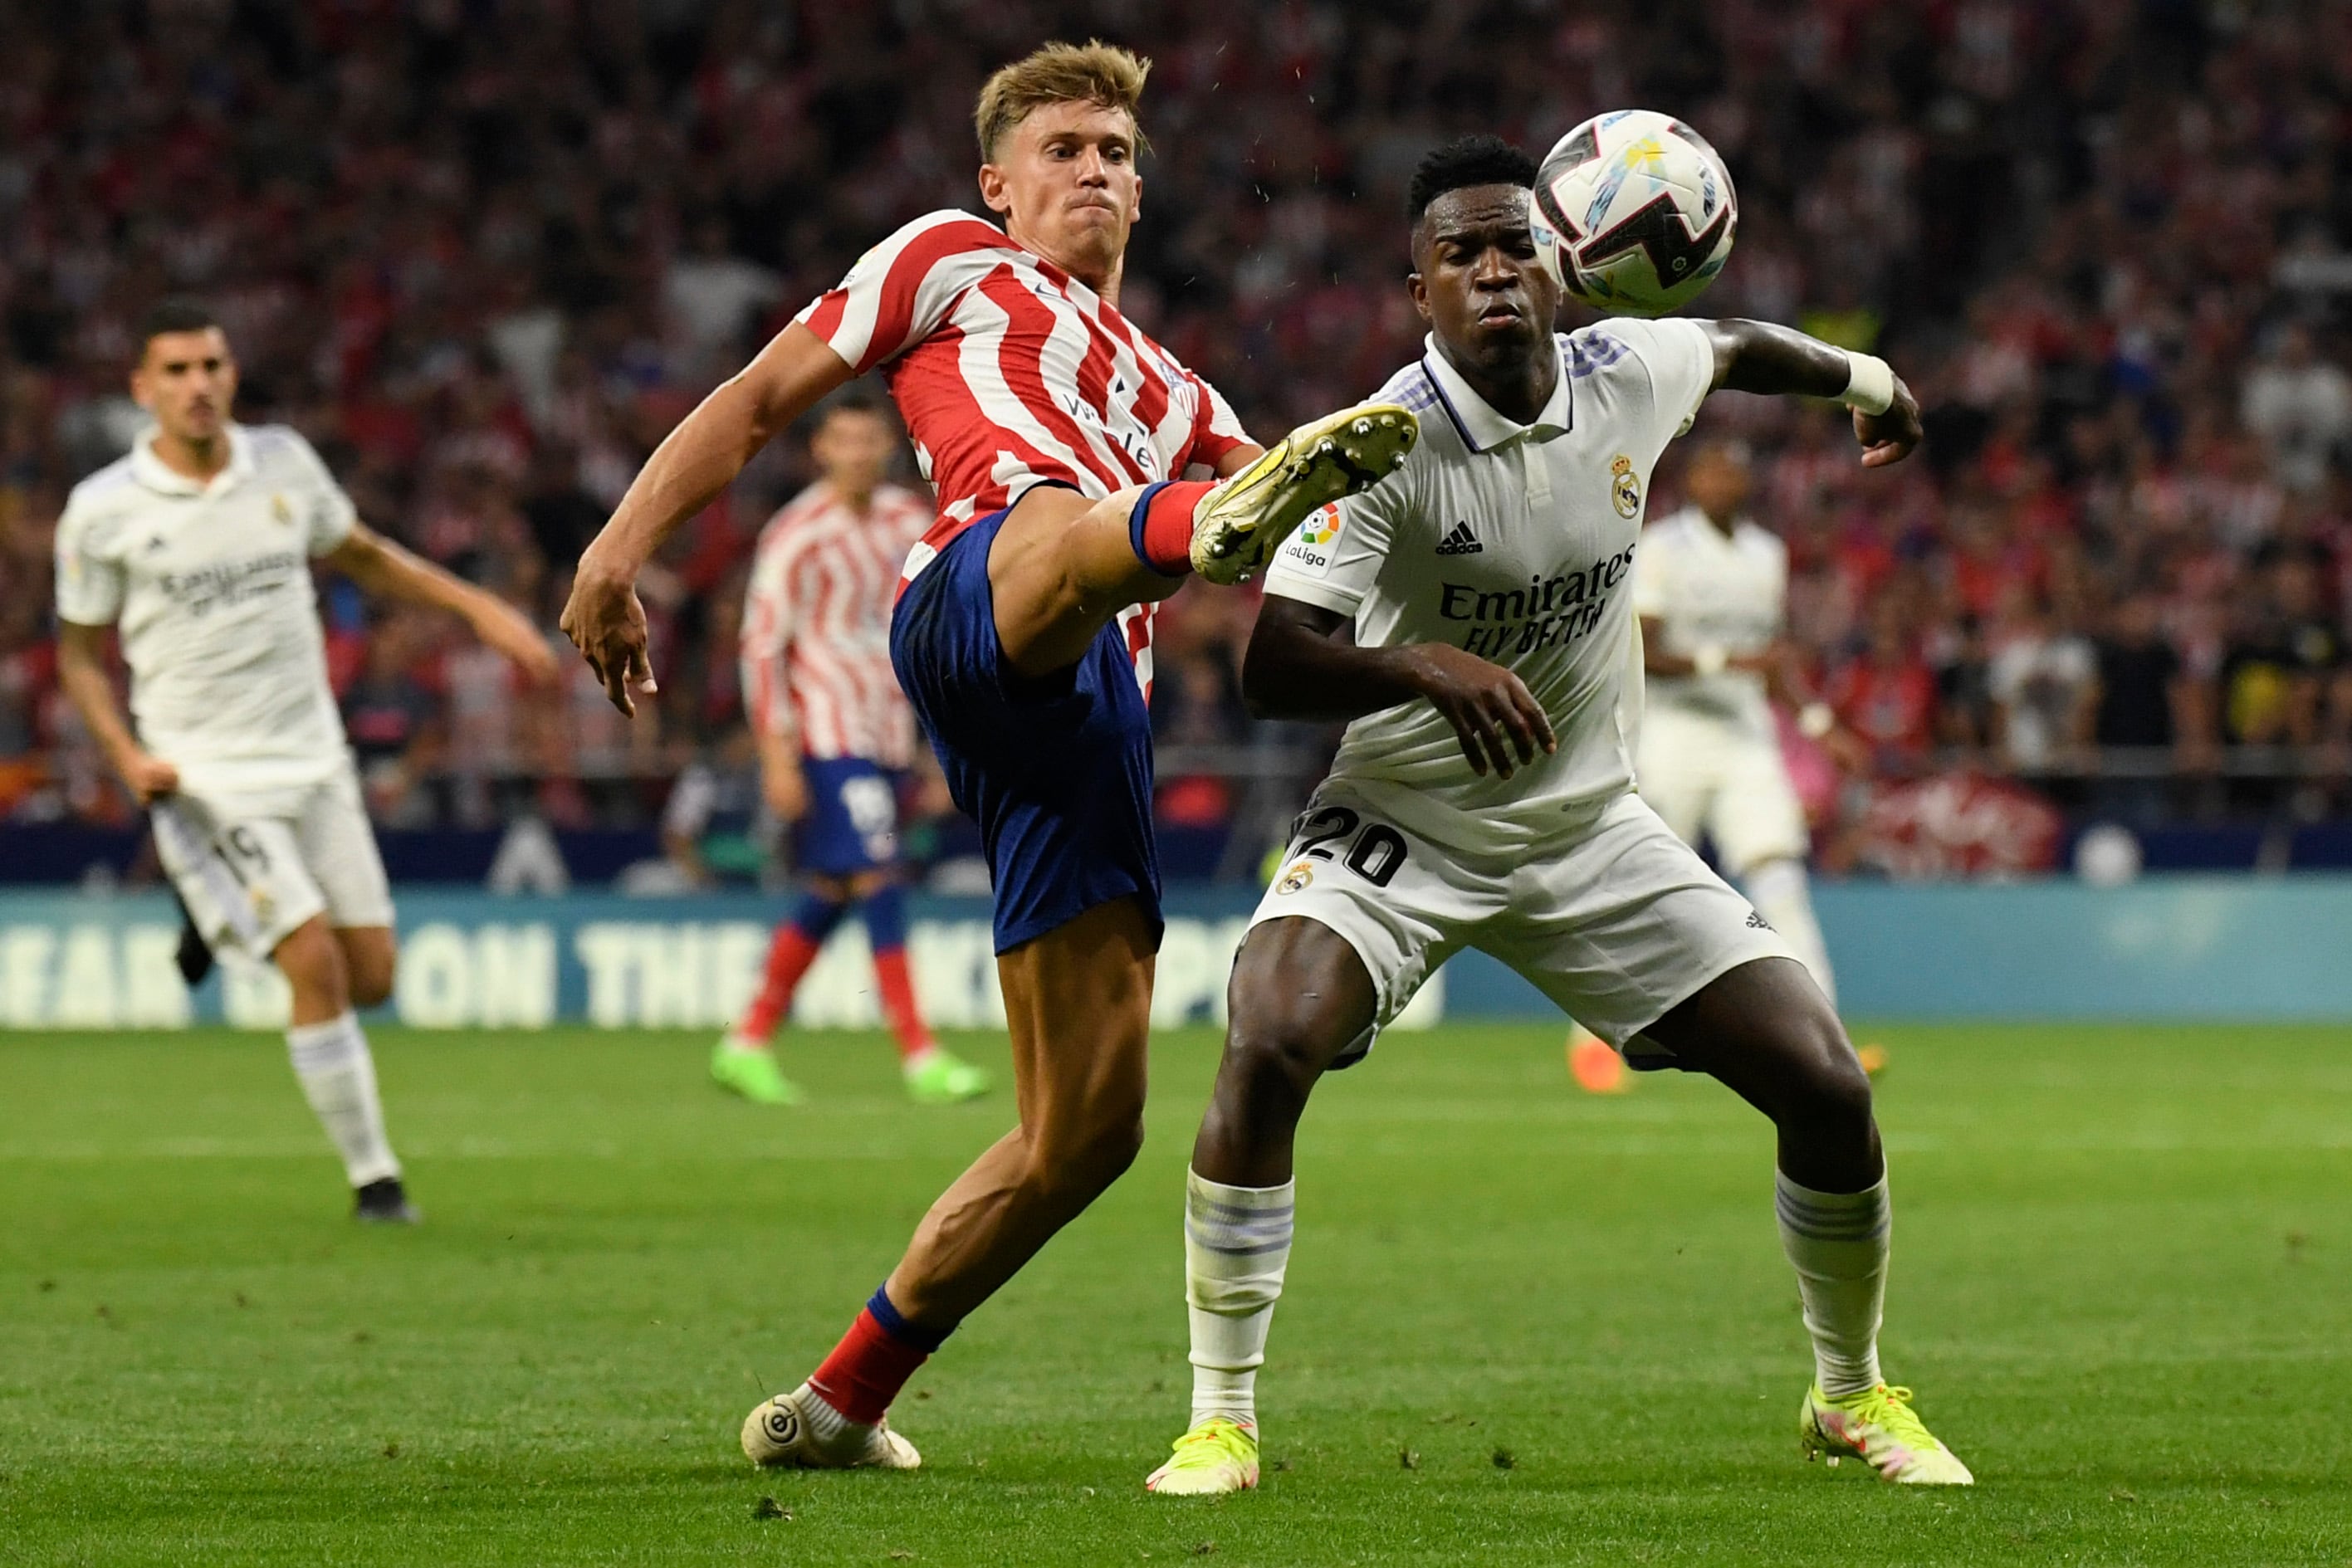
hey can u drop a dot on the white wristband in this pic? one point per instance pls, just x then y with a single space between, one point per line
1816 720
1708 659
1869 384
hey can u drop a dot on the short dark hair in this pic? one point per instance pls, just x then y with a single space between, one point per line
1465 161
178 314
853 398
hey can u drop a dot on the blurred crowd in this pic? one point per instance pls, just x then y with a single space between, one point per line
487 251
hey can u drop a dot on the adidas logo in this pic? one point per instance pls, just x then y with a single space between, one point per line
1461 542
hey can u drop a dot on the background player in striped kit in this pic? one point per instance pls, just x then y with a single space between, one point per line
836 739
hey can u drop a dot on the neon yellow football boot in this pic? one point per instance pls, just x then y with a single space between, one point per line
1878 1427
1245 520
1216 1455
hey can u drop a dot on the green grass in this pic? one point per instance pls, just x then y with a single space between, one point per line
2123 1287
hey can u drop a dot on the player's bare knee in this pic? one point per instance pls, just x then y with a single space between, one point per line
1075 1162
1832 1090
1299 995
1280 1056
1113 1149
370 981
312 962
370 958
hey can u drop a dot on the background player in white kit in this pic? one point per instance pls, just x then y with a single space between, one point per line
197 546
836 738
1473 617
1711 586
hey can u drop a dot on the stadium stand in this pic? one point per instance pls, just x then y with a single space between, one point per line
484 254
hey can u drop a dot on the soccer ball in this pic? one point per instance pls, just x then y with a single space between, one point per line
1635 213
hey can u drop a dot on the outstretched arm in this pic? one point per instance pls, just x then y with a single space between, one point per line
383 568
1759 357
1299 666
687 471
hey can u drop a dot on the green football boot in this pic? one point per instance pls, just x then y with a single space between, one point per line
935 1077
751 1071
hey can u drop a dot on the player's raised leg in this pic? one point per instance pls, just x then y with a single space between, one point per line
1079 1006
1064 567
1299 998
1765 1029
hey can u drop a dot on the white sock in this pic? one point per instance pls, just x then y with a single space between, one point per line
1783 897
339 1080
1837 1241
1236 1245
826 1423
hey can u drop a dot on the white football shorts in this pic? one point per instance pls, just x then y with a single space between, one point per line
1705 776
1617 921
252 870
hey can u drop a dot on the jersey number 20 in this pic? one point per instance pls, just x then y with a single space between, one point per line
1375 855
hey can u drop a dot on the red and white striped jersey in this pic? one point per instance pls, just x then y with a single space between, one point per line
1010 373
816 624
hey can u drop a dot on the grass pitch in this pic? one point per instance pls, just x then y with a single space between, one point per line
1523 1325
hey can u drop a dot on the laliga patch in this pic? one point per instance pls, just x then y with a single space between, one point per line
1625 489
1308 550
1299 875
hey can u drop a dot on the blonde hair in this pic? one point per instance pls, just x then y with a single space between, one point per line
1094 72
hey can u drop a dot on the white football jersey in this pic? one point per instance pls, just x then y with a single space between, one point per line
1703 586
210 585
1517 543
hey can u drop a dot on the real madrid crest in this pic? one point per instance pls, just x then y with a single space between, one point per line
1624 486
280 510
1297 876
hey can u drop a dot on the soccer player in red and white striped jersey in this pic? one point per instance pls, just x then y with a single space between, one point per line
836 739
1079 470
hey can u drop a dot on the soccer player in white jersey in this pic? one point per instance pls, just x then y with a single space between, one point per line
1711 588
836 739
1473 617
197 548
